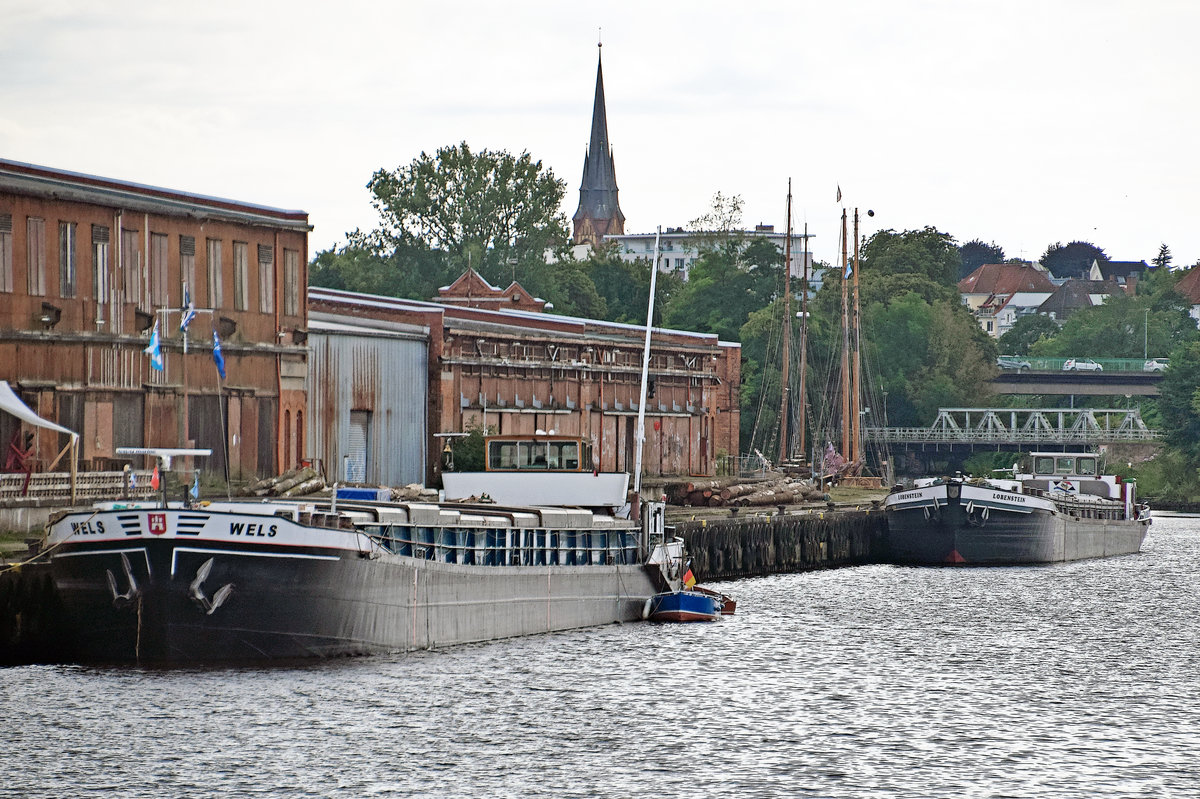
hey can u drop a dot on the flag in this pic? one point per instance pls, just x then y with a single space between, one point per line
839 199
689 579
218 358
195 492
189 309
849 269
154 349
154 482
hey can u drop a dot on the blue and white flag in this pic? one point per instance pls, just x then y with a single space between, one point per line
195 492
189 310
218 358
849 269
154 349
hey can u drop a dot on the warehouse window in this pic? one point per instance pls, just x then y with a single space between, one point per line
187 266
266 278
100 263
35 255
241 274
291 283
6 263
216 292
66 259
159 294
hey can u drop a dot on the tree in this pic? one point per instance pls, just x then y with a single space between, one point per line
625 286
975 254
1179 402
1163 259
1072 260
488 209
1123 327
927 252
1027 331
406 270
725 285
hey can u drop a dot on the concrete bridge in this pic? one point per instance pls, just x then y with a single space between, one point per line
1114 377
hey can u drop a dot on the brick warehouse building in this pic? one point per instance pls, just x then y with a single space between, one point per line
473 363
86 265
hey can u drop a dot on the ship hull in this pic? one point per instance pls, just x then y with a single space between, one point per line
978 526
162 598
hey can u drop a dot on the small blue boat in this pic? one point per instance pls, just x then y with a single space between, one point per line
684 606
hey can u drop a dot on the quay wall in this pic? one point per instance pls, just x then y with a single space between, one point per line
726 549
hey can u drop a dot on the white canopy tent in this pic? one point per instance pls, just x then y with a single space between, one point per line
11 403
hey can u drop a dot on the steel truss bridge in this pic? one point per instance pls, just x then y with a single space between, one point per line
1023 426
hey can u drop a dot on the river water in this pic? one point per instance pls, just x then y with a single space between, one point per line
1076 680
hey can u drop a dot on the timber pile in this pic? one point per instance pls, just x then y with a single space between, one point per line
718 493
414 492
292 483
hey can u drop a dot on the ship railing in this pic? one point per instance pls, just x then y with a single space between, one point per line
491 546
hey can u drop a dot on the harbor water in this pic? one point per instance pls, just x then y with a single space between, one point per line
1073 680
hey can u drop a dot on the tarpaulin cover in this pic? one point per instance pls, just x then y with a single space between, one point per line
11 403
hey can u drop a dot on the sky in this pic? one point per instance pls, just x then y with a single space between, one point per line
1021 123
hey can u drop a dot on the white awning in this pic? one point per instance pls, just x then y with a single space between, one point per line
11 403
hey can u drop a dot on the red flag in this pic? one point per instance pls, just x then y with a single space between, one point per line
689 579
154 479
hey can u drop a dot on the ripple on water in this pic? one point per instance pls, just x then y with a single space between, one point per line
1066 681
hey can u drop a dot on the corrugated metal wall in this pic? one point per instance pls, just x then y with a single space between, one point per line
384 376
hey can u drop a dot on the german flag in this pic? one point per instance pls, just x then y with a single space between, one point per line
689 579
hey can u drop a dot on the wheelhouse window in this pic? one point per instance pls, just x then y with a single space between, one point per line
1064 466
534 455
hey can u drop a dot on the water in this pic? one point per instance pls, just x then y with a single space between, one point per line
1077 680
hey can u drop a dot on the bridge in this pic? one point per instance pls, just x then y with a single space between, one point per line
1022 427
1116 377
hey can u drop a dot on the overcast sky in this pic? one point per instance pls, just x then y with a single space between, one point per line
1019 122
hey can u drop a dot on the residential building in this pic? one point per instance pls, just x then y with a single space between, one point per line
1076 294
999 294
88 267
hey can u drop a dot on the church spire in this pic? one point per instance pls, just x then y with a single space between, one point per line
599 213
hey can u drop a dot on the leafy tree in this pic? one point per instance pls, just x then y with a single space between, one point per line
927 252
1179 402
625 286
406 270
489 210
1162 261
1072 260
725 285
1027 331
976 253
1123 327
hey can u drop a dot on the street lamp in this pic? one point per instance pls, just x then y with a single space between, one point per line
1146 335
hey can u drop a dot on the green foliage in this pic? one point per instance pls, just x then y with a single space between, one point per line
488 209
987 464
407 270
1123 327
1162 261
468 450
625 286
927 252
726 284
1179 402
975 254
1027 331
1072 260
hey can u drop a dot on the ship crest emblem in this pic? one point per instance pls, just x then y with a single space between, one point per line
158 523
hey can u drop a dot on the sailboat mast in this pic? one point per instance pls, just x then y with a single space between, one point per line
846 435
856 396
639 436
784 380
803 401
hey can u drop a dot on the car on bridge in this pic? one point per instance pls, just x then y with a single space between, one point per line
1013 362
1081 365
1155 365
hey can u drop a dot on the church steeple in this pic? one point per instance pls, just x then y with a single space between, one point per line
598 214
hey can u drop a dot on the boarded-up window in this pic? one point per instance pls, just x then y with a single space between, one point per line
291 283
160 295
131 267
35 255
216 292
241 275
266 278
187 266
6 256
66 259
100 263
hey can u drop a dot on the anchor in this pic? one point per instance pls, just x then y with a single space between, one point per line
197 591
125 599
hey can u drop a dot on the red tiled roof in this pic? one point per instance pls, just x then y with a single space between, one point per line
1005 279
1189 285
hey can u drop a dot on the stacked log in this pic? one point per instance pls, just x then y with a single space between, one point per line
719 493
295 482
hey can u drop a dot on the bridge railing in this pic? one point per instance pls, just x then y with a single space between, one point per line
971 435
1040 364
